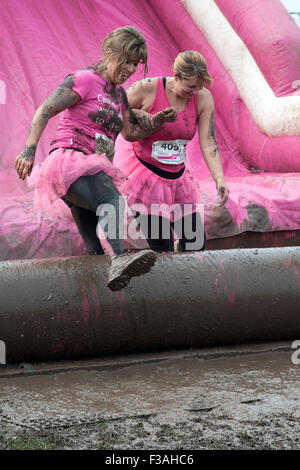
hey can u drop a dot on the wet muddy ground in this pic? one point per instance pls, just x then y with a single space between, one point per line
245 397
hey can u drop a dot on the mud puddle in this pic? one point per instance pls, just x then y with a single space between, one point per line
227 398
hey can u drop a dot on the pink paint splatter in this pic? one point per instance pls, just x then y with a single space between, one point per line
85 305
231 297
95 299
287 264
121 299
296 272
290 235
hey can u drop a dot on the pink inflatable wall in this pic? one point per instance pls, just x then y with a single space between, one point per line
273 38
44 41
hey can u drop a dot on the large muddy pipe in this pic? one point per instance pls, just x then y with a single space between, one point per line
61 308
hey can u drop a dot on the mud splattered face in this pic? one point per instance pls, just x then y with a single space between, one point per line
120 73
187 88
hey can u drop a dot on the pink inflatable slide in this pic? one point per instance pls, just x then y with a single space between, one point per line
252 51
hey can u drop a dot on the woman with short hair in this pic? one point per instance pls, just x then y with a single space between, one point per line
155 165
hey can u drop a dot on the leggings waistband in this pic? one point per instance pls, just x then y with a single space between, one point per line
163 173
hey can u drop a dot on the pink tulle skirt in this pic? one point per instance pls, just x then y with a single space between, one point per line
52 178
149 193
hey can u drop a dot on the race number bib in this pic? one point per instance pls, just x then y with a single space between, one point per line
104 145
170 152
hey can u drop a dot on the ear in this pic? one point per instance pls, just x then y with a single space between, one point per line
176 76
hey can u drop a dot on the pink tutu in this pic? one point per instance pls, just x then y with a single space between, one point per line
154 194
52 178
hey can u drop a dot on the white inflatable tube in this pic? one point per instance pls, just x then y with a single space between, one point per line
274 116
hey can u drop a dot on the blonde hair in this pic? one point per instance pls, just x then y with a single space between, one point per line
126 44
191 64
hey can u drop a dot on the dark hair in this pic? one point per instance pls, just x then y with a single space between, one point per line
126 44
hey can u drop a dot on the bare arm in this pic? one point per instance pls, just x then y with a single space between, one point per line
208 143
131 129
141 94
137 123
63 97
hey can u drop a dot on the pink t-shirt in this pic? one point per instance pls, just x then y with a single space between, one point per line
100 111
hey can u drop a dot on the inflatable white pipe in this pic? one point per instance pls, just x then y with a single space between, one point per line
276 116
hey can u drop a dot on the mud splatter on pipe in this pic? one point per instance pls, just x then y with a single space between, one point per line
61 308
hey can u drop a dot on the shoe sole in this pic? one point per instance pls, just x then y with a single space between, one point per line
142 264
118 283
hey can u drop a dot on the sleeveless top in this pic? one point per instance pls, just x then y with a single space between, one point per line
184 128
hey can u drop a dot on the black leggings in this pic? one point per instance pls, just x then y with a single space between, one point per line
85 197
159 232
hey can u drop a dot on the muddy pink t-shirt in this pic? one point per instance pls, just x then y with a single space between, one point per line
100 111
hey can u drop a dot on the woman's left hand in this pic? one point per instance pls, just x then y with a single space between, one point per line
223 191
169 114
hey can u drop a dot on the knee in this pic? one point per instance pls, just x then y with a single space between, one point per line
68 203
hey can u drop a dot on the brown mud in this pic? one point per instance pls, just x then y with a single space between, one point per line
108 118
220 223
245 397
68 82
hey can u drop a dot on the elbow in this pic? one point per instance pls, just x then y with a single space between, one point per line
128 137
42 115
131 139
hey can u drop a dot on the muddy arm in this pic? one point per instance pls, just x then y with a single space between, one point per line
209 146
132 131
62 98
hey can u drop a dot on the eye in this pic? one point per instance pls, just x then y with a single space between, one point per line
129 62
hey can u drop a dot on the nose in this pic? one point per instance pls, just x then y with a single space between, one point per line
131 68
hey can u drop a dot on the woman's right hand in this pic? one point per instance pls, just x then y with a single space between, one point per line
145 120
24 162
